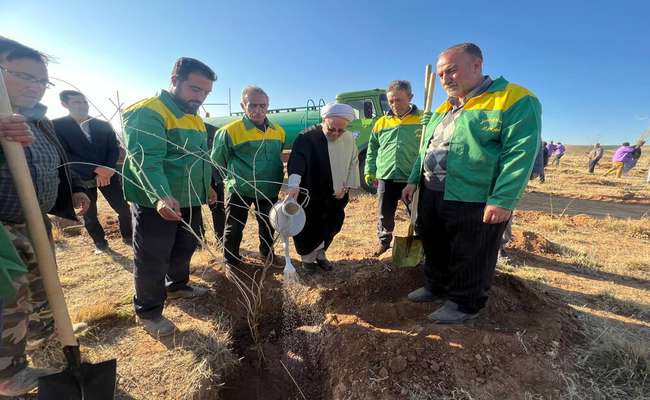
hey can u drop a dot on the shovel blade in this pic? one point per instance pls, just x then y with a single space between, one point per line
98 383
407 252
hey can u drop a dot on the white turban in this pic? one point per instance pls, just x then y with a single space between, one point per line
338 110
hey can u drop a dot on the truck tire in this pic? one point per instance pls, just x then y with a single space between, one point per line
362 166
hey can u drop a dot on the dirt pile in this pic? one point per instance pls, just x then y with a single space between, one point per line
353 335
532 242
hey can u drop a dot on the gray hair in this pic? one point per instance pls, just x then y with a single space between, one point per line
469 48
400 85
253 89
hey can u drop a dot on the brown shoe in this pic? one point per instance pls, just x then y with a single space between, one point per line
381 249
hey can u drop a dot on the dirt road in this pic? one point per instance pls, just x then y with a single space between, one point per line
535 201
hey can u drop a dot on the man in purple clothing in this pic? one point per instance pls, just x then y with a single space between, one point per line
558 153
622 155
550 149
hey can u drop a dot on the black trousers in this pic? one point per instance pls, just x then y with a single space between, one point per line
115 198
592 165
218 211
162 252
388 195
236 217
460 250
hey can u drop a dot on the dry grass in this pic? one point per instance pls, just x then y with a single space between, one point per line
615 365
103 311
601 268
603 271
571 178
99 289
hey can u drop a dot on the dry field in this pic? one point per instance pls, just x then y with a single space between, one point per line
569 318
571 178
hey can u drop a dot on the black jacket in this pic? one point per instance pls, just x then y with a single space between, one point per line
104 149
69 181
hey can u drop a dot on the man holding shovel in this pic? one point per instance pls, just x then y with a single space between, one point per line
392 148
27 314
476 157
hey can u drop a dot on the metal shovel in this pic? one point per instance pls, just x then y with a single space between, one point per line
79 380
408 251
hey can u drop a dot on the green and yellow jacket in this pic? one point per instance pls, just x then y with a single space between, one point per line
393 146
493 147
167 152
252 157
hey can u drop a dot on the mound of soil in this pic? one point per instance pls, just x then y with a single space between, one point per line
531 242
351 334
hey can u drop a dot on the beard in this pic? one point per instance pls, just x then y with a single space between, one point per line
188 107
192 107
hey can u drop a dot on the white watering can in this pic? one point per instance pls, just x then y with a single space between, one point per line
288 219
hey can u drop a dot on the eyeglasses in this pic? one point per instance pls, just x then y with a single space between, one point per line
24 76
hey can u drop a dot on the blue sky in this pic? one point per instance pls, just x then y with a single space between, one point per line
587 61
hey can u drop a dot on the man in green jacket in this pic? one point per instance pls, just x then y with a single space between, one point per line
167 179
250 150
392 148
477 155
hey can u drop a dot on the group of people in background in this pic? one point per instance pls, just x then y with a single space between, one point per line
625 157
555 152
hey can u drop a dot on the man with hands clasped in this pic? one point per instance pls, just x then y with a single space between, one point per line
475 160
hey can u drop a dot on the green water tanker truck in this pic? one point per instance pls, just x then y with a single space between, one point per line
369 105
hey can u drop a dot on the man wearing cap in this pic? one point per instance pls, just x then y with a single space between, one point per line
167 180
323 164
250 150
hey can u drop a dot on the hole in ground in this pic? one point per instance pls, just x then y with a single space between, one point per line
351 334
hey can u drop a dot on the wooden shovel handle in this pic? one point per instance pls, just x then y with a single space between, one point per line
427 73
430 88
430 85
15 156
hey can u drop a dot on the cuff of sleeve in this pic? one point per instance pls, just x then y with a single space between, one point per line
414 179
507 203
294 180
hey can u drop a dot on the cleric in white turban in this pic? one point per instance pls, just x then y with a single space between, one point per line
336 110
324 164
